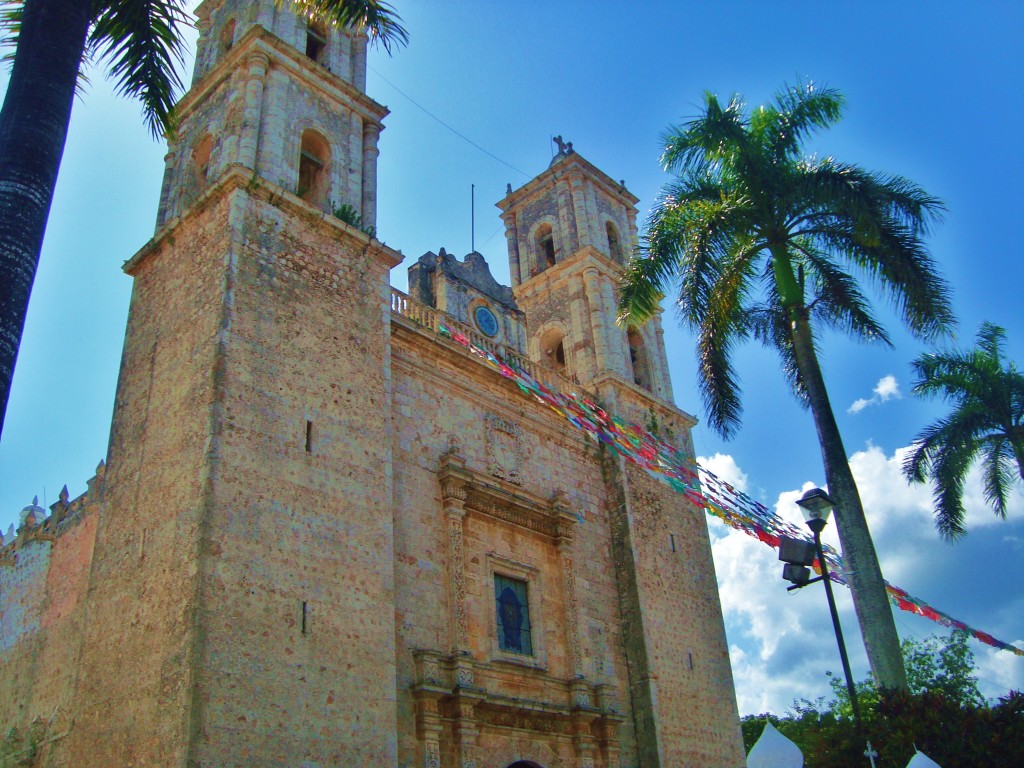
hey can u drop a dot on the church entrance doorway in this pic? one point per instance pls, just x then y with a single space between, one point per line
524 764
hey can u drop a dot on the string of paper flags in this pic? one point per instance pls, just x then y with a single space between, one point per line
696 483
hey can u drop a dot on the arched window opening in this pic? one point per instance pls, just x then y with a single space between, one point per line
227 36
552 349
316 42
545 243
639 359
314 156
201 160
614 245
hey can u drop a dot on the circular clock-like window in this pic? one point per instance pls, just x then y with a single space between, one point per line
485 320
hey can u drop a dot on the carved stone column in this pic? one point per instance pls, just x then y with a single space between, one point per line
256 69
430 727
664 378
359 62
563 541
428 692
168 186
592 282
579 202
617 356
453 497
567 241
512 241
371 133
466 734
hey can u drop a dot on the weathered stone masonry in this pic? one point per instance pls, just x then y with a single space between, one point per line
293 551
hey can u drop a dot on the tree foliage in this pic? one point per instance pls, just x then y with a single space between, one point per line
943 715
986 425
139 42
767 242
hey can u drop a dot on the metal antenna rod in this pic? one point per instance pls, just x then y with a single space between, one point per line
472 218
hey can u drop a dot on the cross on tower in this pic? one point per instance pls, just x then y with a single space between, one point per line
870 754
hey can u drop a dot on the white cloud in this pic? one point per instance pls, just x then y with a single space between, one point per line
886 389
724 467
781 643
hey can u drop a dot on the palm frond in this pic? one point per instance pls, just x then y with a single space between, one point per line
770 325
378 19
997 461
141 41
723 323
837 300
706 140
10 29
796 113
949 473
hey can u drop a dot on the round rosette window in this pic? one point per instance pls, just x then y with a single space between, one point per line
485 320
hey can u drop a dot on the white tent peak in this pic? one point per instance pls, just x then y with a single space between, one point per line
921 760
773 750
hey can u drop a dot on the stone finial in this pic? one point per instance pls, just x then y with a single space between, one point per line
508 188
32 513
59 509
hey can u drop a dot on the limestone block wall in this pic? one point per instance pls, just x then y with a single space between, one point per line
43 583
295 661
135 686
662 541
440 395
224 22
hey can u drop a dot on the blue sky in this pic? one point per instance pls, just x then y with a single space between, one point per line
934 93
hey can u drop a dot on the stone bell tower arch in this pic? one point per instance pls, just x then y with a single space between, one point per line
570 231
282 96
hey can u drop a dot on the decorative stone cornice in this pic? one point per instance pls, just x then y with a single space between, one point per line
502 500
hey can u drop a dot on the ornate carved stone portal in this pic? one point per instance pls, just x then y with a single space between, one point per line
457 704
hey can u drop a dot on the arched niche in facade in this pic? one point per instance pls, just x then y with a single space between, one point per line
544 247
314 162
614 243
553 349
640 360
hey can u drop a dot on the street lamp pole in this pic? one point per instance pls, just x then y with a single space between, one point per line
797 554
816 525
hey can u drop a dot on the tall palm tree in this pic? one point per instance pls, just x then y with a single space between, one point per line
140 40
770 244
987 423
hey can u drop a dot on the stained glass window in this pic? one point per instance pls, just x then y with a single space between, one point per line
512 609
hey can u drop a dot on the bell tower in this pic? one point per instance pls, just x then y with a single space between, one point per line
284 97
570 231
237 591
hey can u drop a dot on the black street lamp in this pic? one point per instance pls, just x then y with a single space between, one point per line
798 554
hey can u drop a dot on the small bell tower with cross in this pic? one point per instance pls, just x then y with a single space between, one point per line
570 232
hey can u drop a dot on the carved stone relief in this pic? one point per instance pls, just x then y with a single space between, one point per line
432 755
458 583
505 450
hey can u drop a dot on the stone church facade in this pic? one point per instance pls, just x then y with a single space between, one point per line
325 533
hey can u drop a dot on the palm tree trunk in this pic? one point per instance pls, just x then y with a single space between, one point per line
869 597
33 127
